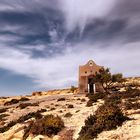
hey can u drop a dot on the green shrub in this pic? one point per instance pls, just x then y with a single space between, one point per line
106 117
52 109
24 105
113 99
70 106
96 96
61 99
24 99
13 101
49 125
67 115
131 93
35 115
130 105
73 88
77 111
89 103
60 111
2 110
133 99
2 117
83 100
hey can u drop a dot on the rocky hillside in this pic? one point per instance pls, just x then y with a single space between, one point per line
25 117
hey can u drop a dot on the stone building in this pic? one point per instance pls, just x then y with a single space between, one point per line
86 73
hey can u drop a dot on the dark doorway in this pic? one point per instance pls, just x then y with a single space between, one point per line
91 87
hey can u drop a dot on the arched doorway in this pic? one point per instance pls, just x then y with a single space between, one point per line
91 85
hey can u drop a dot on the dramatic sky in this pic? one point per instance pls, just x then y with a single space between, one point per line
43 42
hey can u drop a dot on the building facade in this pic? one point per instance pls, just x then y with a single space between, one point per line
86 73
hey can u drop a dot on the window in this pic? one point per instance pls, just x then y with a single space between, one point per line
90 64
85 71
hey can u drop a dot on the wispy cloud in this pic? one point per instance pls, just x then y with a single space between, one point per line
62 70
47 40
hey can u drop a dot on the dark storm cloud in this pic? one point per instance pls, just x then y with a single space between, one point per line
36 20
47 39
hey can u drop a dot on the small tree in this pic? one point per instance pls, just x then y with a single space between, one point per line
106 78
73 88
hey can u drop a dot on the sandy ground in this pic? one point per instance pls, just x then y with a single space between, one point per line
130 130
79 113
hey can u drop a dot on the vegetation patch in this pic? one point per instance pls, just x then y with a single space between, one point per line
129 105
15 101
107 117
77 111
11 102
95 97
61 99
73 89
22 119
89 103
2 117
131 93
52 109
24 105
70 106
83 100
2 110
113 99
68 115
49 125
24 99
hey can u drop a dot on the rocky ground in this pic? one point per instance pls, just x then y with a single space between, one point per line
79 113
58 103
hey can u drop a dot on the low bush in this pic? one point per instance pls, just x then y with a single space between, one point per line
15 101
49 125
133 99
2 117
2 110
77 111
70 106
42 110
96 96
24 99
52 109
61 99
106 117
113 99
89 103
131 93
83 100
67 115
60 111
11 102
35 115
129 105
73 88
24 105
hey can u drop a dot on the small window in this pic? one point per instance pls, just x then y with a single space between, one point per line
85 71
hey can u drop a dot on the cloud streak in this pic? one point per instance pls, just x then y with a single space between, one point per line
47 40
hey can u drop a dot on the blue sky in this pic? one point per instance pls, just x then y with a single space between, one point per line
43 42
